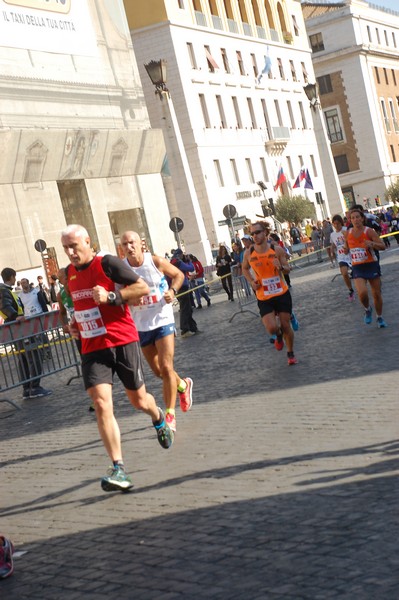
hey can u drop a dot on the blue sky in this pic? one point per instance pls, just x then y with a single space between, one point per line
393 4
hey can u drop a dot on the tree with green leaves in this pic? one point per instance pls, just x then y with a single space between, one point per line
294 209
392 192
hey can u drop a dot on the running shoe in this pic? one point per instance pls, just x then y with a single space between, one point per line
171 421
279 343
381 323
292 360
116 480
164 432
294 322
351 296
272 339
368 316
186 397
6 562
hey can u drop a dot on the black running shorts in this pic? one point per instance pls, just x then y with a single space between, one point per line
99 366
279 304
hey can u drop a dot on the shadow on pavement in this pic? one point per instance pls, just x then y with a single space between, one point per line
338 541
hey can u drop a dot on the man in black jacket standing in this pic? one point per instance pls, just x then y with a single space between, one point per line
30 359
188 326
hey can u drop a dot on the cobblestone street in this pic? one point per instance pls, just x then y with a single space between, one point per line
282 482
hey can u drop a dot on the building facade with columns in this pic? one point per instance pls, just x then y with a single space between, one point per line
236 71
77 146
355 50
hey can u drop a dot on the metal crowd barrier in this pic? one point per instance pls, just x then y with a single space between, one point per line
34 347
244 294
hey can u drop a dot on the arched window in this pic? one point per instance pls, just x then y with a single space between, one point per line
213 7
243 11
269 15
228 9
281 17
255 9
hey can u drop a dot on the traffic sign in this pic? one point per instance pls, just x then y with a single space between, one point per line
40 245
229 211
236 221
176 224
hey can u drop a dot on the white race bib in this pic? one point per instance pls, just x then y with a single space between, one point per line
150 299
359 255
271 286
90 322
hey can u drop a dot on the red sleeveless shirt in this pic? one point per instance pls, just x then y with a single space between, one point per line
100 326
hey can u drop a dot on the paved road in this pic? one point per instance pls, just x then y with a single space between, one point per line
282 482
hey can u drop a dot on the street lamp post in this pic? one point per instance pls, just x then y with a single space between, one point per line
332 185
183 183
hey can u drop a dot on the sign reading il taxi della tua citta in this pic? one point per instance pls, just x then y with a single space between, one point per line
61 26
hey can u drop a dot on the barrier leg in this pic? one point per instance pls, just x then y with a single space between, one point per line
10 402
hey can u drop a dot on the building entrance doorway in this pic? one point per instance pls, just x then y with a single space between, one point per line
76 206
129 220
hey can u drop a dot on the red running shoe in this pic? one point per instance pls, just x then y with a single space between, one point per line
292 360
279 343
171 421
186 397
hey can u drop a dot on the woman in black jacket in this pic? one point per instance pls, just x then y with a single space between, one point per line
223 270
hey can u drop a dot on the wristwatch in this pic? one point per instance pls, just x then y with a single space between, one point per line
111 298
174 290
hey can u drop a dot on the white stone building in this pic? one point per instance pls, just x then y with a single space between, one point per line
238 126
355 56
75 136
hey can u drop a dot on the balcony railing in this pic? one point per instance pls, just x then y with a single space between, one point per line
200 18
274 35
233 27
261 33
280 137
247 29
281 133
217 22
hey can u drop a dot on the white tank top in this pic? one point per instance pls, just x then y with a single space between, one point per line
153 312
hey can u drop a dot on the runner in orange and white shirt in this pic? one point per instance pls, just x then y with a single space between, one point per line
338 242
361 242
263 267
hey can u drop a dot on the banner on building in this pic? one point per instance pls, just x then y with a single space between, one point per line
60 26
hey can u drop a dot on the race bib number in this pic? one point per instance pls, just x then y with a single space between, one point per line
271 286
90 322
150 299
359 255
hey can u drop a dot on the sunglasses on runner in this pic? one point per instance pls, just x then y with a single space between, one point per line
257 232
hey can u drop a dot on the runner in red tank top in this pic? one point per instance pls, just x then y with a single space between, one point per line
110 344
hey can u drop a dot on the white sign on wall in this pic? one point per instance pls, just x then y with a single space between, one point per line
61 26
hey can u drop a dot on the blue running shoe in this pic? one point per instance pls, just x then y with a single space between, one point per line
381 323
164 432
272 338
294 322
368 316
116 480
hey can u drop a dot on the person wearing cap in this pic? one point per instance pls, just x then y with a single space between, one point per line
188 326
247 241
264 266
